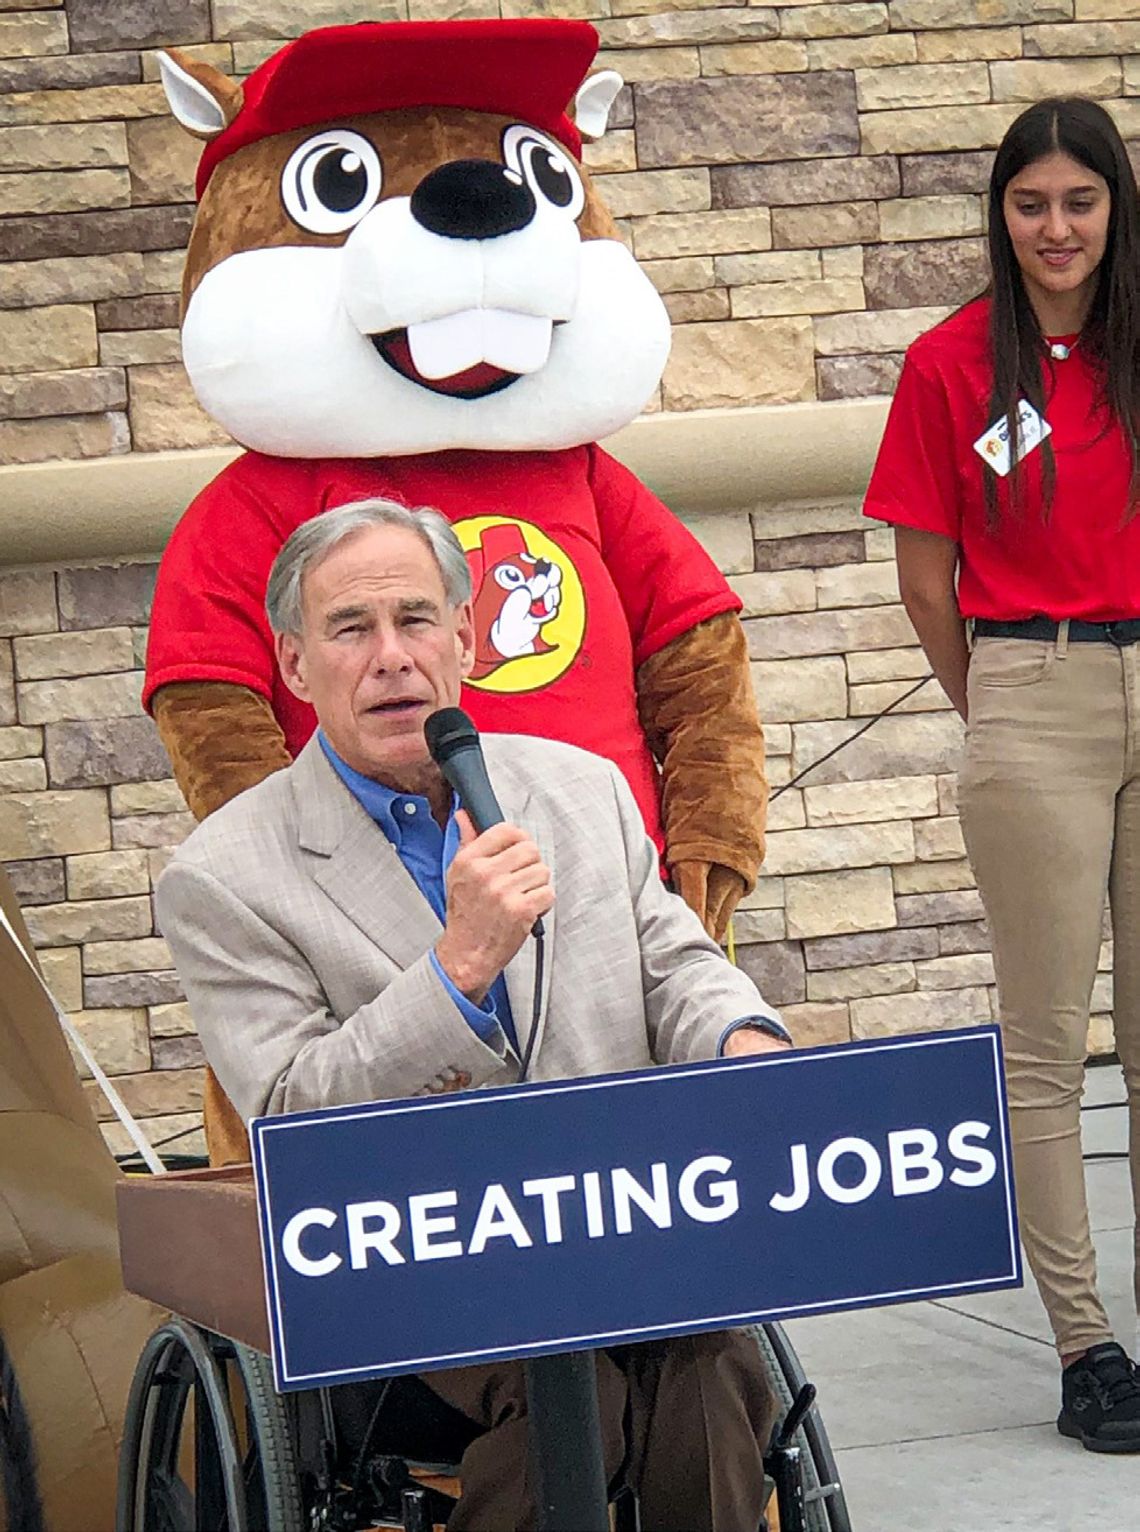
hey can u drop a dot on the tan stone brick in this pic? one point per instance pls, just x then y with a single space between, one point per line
53 824
89 920
726 536
1100 1036
31 34
888 798
922 1011
73 654
841 334
66 436
857 585
773 266
1131 81
814 1026
916 129
77 391
930 218
839 848
101 103
164 413
854 18
785 812
27 602
922 745
163 161
138 348
63 146
759 926
171 1020
111 696
70 279
791 690
656 191
689 274
453 10
697 308
138 956
150 830
704 25
162 1092
24 776
616 152
1031 79
840 903
830 223
921 14
948 794
63 191
921 85
753 58
638 66
899 696
162 270
1089 39
835 296
107 875
725 230
962 972
961 44
43 339
933 877
63 975
785 590
800 520
952 907
1106 10
939 840
874 52
7 685
859 983
887 665
846 261
747 361
880 543
163 797
118 1040
158 860
767 895
234 19
20 743
831 632
1126 115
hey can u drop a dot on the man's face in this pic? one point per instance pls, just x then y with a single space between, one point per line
380 649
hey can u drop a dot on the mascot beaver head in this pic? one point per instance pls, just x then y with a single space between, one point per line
398 251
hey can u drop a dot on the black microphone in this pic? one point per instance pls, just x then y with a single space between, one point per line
453 742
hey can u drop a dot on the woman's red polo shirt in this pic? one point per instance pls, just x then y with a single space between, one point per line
1081 557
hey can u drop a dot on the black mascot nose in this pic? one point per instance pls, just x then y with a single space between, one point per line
472 199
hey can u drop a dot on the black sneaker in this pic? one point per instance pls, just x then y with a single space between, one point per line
1100 1400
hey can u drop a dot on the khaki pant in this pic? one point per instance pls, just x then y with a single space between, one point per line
684 1421
1049 797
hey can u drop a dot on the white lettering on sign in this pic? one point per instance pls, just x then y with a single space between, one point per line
913 1157
291 1242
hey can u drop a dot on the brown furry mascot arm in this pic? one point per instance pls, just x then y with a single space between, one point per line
699 714
220 738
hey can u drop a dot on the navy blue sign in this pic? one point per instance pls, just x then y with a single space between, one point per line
408 1235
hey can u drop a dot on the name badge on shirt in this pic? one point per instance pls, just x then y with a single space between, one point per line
993 445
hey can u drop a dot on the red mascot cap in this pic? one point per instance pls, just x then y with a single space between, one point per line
529 69
496 545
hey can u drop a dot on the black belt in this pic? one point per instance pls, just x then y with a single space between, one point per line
1123 632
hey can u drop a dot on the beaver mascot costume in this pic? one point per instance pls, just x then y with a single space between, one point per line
401 282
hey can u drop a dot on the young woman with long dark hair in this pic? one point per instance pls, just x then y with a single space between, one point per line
1009 468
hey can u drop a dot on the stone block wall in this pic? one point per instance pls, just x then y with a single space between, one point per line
865 921
803 181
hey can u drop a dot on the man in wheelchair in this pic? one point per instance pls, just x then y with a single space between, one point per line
345 935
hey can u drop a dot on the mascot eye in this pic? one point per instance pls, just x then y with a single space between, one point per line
331 181
547 169
509 578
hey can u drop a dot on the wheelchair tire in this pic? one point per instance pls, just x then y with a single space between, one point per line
254 1491
826 1505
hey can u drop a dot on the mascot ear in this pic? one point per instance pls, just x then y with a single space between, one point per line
204 100
593 102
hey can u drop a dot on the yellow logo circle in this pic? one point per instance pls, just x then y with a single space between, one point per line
529 606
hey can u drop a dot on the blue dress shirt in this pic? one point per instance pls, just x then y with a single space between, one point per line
427 852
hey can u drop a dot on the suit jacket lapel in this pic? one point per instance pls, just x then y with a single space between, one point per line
356 864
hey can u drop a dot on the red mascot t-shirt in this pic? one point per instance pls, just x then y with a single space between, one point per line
580 574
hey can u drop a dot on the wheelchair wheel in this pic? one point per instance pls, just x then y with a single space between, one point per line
824 1503
185 1465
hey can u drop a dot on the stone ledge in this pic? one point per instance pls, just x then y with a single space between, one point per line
702 461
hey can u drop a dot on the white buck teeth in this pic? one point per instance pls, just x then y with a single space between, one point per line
514 342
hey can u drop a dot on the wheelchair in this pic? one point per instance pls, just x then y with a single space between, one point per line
210 1446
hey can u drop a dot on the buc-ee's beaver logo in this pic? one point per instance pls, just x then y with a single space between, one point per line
529 607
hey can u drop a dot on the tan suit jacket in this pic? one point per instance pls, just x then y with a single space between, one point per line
304 943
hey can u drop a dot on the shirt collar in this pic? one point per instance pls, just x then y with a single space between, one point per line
378 802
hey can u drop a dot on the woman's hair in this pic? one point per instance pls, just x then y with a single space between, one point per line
1110 338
